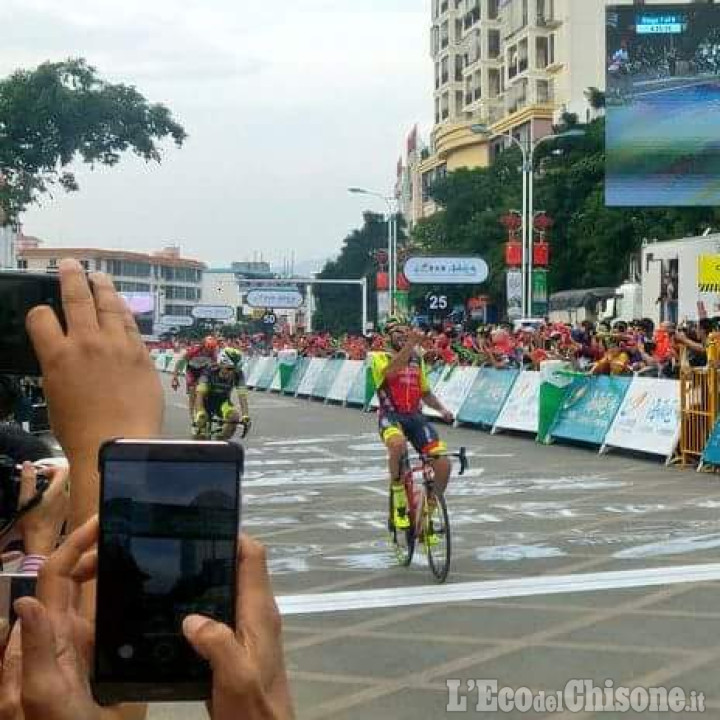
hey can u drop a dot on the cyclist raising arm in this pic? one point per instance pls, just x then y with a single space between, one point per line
214 394
402 387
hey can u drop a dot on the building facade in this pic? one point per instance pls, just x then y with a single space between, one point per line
514 66
174 281
8 247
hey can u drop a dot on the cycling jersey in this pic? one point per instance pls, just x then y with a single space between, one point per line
401 391
218 390
199 357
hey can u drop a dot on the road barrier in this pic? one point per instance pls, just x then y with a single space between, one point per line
647 415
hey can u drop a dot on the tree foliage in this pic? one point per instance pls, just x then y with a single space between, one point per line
338 307
591 244
60 112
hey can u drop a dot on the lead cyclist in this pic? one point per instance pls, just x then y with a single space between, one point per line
401 380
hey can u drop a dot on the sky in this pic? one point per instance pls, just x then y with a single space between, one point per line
286 103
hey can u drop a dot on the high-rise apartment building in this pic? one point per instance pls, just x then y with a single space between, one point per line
513 65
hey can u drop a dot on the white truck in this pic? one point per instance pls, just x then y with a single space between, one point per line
667 285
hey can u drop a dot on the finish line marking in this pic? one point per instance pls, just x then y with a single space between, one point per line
495 589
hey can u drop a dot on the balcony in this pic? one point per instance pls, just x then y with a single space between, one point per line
444 43
444 78
468 98
548 21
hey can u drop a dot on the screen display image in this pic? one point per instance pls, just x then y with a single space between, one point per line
167 549
663 105
142 306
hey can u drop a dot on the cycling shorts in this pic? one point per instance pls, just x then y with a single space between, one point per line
192 375
416 428
219 407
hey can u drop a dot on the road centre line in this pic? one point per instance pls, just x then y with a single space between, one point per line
495 589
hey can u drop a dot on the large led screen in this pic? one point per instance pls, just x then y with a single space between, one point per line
663 105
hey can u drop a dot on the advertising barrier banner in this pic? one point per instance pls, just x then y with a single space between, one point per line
255 371
649 418
520 411
344 380
311 376
453 389
589 408
326 379
268 374
711 455
287 359
297 375
487 396
357 393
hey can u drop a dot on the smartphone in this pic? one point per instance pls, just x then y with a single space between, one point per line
169 523
14 585
19 293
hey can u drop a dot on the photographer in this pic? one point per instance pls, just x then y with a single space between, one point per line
100 383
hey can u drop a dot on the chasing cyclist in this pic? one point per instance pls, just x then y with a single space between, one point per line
401 380
213 397
194 362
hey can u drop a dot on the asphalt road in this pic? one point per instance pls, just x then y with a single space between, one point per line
567 565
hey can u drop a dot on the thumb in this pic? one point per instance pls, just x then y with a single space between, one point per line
213 641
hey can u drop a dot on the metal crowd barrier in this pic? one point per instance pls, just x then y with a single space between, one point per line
698 411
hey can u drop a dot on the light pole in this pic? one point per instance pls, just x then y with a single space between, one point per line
392 239
527 149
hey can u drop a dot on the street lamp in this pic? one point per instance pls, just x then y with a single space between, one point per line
527 149
392 239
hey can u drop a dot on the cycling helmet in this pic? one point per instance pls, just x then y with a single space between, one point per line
229 357
210 343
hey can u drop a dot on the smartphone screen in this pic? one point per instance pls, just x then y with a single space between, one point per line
169 520
19 293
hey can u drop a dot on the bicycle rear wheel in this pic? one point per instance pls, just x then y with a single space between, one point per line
403 540
436 534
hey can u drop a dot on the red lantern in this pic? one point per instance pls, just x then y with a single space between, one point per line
512 221
513 253
543 222
383 282
541 254
402 282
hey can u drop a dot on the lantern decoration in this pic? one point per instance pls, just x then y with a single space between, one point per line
543 222
541 254
512 223
383 281
403 284
513 253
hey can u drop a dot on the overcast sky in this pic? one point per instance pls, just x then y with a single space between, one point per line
287 103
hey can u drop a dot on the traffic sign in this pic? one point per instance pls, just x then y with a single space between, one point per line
280 299
269 319
213 312
176 321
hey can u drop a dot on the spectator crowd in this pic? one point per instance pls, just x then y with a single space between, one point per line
619 348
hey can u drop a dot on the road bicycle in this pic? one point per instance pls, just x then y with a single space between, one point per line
428 515
212 429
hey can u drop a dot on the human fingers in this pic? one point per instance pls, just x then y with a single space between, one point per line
11 678
109 305
256 606
39 656
77 299
28 480
52 584
45 331
86 568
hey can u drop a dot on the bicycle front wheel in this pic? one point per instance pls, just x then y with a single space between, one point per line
436 534
402 540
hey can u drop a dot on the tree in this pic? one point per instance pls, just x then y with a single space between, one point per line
338 307
591 244
63 111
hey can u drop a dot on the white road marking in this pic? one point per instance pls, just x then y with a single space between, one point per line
495 589
376 491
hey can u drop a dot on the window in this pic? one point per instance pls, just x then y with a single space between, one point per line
493 43
458 68
523 56
541 52
444 35
444 76
551 50
492 9
86 265
22 264
544 91
52 263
